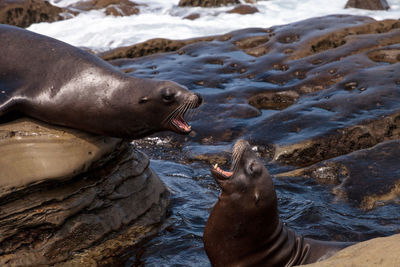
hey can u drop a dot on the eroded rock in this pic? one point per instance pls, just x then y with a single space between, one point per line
367 178
368 4
23 13
243 10
101 200
206 3
377 252
112 7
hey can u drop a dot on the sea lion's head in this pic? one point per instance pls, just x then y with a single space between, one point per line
248 185
166 105
246 213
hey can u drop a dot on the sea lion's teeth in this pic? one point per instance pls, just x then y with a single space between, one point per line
190 127
216 165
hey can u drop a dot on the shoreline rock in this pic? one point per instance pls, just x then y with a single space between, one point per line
368 4
377 252
206 3
23 13
92 215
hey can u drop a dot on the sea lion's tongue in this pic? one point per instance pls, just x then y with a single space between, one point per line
181 124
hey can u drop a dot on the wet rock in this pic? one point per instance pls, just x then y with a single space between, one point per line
112 7
153 46
23 13
206 3
382 252
368 4
192 16
367 178
243 10
306 92
87 200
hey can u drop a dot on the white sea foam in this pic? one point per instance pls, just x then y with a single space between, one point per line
163 18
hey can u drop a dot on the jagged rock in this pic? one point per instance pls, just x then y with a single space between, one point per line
368 4
368 178
207 3
377 252
112 7
153 46
23 13
300 93
243 10
88 198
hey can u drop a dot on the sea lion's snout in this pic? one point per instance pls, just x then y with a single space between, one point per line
199 99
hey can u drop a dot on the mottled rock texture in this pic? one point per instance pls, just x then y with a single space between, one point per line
368 4
301 93
101 200
243 10
206 3
378 252
23 13
112 7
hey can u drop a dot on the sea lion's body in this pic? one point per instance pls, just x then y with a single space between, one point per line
244 228
49 80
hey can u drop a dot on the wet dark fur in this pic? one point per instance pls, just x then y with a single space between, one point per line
244 228
49 80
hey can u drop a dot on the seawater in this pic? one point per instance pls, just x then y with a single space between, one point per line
163 18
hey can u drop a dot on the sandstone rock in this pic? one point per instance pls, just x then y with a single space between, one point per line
88 200
153 46
243 10
23 13
367 178
192 16
207 3
377 252
368 4
112 7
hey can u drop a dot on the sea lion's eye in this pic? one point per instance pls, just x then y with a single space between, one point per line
167 95
254 168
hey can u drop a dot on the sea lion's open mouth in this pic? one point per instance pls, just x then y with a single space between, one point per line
220 174
237 153
175 120
180 124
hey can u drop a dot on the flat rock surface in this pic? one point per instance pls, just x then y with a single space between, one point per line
382 252
300 93
89 198
34 152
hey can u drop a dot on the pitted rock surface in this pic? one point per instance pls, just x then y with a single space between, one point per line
23 13
300 93
367 177
111 7
90 211
206 3
368 4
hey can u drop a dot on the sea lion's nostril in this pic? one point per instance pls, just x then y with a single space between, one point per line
199 99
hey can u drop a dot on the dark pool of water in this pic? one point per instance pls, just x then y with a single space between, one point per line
307 207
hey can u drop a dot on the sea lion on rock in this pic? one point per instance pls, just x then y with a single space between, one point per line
57 83
244 228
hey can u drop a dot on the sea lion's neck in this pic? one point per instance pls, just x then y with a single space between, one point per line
282 248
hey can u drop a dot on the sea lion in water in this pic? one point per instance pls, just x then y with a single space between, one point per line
244 228
49 80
